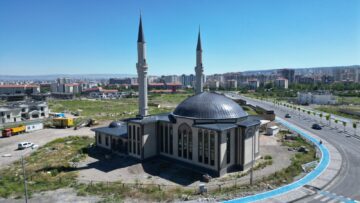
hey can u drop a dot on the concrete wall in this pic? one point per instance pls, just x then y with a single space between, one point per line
149 140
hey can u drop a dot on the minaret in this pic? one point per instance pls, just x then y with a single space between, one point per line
142 67
199 67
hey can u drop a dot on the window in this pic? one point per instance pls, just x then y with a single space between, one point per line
107 140
129 138
166 138
190 145
171 140
206 147
200 136
228 158
212 148
8 116
179 144
99 138
138 140
185 136
161 138
134 138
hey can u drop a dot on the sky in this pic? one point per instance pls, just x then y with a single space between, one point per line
99 36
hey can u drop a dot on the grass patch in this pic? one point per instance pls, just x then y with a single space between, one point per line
116 109
336 110
48 168
249 110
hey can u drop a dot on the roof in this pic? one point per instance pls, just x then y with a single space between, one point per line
248 123
120 131
198 47
141 33
209 106
216 126
18 86
150 119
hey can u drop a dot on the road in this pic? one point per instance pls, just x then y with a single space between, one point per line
347 183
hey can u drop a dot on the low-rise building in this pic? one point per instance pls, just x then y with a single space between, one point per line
22 111
100 93
231 84
19 89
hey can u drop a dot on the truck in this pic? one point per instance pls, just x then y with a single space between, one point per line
63 122
7 132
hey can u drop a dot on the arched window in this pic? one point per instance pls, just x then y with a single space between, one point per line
185 141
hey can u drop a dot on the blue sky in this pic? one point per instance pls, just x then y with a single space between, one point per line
95 36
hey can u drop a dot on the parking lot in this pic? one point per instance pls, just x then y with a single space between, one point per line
8 146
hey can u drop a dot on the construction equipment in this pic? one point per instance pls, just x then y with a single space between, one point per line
63 122
13 131
88 123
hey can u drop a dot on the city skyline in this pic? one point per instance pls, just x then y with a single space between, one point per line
101 40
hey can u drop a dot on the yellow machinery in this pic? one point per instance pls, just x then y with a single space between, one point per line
63 122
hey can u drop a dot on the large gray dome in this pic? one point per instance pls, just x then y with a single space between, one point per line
209 106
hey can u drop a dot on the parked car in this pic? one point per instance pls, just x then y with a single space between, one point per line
316 126
287 116
23 145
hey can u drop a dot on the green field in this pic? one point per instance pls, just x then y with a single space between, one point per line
116 109
336 110
348 100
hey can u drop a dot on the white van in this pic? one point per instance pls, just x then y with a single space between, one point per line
23 145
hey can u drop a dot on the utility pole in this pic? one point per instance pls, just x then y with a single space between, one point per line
252 160
25 185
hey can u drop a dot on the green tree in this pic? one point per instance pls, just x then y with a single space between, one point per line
354 126
344 124
328 118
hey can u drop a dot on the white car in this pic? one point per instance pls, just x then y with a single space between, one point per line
23 145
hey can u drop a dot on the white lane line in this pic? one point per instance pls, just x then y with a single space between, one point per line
318 196
325 199
333 201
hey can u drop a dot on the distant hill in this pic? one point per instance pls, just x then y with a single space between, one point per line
55 76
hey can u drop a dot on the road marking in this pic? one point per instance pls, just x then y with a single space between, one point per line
318 196
325 199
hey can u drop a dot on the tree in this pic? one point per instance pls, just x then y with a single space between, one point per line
354 126
320 115
344 124
328 118
336 121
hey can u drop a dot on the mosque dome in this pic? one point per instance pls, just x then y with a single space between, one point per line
208 105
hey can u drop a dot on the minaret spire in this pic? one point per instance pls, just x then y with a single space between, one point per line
142 68
199 69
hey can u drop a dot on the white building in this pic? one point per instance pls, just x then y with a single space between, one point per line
315 98
231 84
21 111
282 83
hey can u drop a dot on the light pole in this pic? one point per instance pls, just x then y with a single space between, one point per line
24 176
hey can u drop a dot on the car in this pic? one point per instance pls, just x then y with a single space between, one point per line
287 116
24 145
316 126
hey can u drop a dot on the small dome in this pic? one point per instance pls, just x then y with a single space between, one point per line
208 105
115 124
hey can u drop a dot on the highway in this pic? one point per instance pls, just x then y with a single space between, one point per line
347 183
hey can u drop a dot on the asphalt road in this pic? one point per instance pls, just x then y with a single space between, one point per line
347 183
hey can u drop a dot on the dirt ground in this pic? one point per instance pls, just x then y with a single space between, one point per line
8 145
97 168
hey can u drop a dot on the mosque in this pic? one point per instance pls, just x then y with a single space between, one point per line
207 132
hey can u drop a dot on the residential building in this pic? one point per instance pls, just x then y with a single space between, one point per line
282 83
